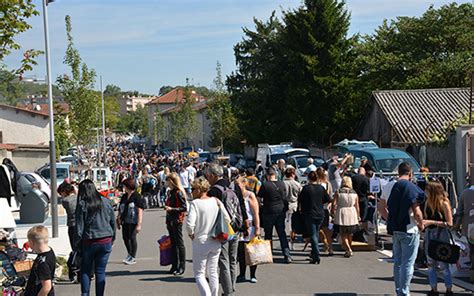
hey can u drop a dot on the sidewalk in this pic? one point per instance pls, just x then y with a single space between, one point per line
59 244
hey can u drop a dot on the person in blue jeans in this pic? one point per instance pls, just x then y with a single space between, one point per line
94 235
310 203
404 222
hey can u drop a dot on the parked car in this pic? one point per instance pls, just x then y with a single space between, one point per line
269 154
346 146
234 158
62 172
300 163
205 156
385 160
28 179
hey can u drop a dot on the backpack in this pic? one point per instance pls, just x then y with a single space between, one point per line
232 205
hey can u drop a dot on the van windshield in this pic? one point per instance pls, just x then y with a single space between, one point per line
390 165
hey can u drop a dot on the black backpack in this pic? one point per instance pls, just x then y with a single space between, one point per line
232 205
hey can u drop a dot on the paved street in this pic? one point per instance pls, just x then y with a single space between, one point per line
365 273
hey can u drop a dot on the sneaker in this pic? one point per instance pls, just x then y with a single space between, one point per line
253 280
131 261
126 259
241 279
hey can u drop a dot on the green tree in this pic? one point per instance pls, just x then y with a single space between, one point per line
112 91
112 109
61 132
165 89
78 92
135 122
434 50
258 88
221 114
183 119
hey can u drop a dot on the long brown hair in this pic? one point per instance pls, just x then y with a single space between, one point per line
436 197
175 182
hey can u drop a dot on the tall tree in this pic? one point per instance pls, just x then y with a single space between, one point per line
112 111
183 119
320 85
220 113
258 88
112 91
78 92
159 127
434 50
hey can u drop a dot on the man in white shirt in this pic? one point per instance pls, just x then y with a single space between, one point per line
311 167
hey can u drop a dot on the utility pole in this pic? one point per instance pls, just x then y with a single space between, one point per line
52 144
103 122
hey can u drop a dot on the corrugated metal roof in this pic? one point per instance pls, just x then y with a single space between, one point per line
415 115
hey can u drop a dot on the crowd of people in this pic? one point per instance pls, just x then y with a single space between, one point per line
335 202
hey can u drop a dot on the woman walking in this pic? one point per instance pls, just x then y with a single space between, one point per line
346 207
310 202
251 207
94 235
175 211
438 218
201 219
326 232
130 219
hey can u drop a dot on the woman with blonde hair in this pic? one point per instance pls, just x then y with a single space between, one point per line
438 217
206 250
176 207
325 232
346 208
252 209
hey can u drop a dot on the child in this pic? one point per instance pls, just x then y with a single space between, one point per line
40 282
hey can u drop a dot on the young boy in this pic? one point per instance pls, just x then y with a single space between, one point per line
40 282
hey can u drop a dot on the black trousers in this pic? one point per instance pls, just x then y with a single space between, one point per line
178 251
70 233
242 265
130 238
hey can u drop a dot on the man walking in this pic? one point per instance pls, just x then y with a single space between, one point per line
228 256
404 222
465 222
361 185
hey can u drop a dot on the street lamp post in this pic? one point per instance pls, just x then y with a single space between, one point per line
103 123
52 145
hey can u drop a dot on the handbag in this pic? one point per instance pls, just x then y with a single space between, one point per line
221 230
442 251
165 250
258 252
298 224
74 261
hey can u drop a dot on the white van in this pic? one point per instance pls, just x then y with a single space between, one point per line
270 154
102 177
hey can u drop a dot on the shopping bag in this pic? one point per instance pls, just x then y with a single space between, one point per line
258 252
222 231
165 250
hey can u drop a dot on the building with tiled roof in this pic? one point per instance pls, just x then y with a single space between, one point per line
411 117
167 104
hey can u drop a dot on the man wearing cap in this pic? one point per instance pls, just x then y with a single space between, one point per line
273 194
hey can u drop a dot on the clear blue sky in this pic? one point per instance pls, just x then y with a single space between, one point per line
145 44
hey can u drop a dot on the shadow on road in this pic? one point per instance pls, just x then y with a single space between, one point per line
135 273
169 279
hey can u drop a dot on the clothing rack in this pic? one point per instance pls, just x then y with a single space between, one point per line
445 177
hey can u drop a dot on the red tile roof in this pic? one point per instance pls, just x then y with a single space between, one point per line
173 96
7 147
3 106
196 107
59 108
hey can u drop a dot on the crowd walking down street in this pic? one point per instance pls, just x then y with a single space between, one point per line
224 212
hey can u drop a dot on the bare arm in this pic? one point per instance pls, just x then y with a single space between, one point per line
255 210
447 212
382 207
357 207
46 287
418 216
140 219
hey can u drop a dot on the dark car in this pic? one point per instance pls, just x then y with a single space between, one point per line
385 160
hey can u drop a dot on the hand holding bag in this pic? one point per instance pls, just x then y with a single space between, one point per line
258 252
444 252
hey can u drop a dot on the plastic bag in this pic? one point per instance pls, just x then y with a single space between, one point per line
258 252
165 250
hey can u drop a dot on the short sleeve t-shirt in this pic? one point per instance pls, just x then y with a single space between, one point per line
129 208
42 270
310 168
273 194
402 196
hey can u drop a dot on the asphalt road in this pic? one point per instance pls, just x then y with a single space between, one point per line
367 273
